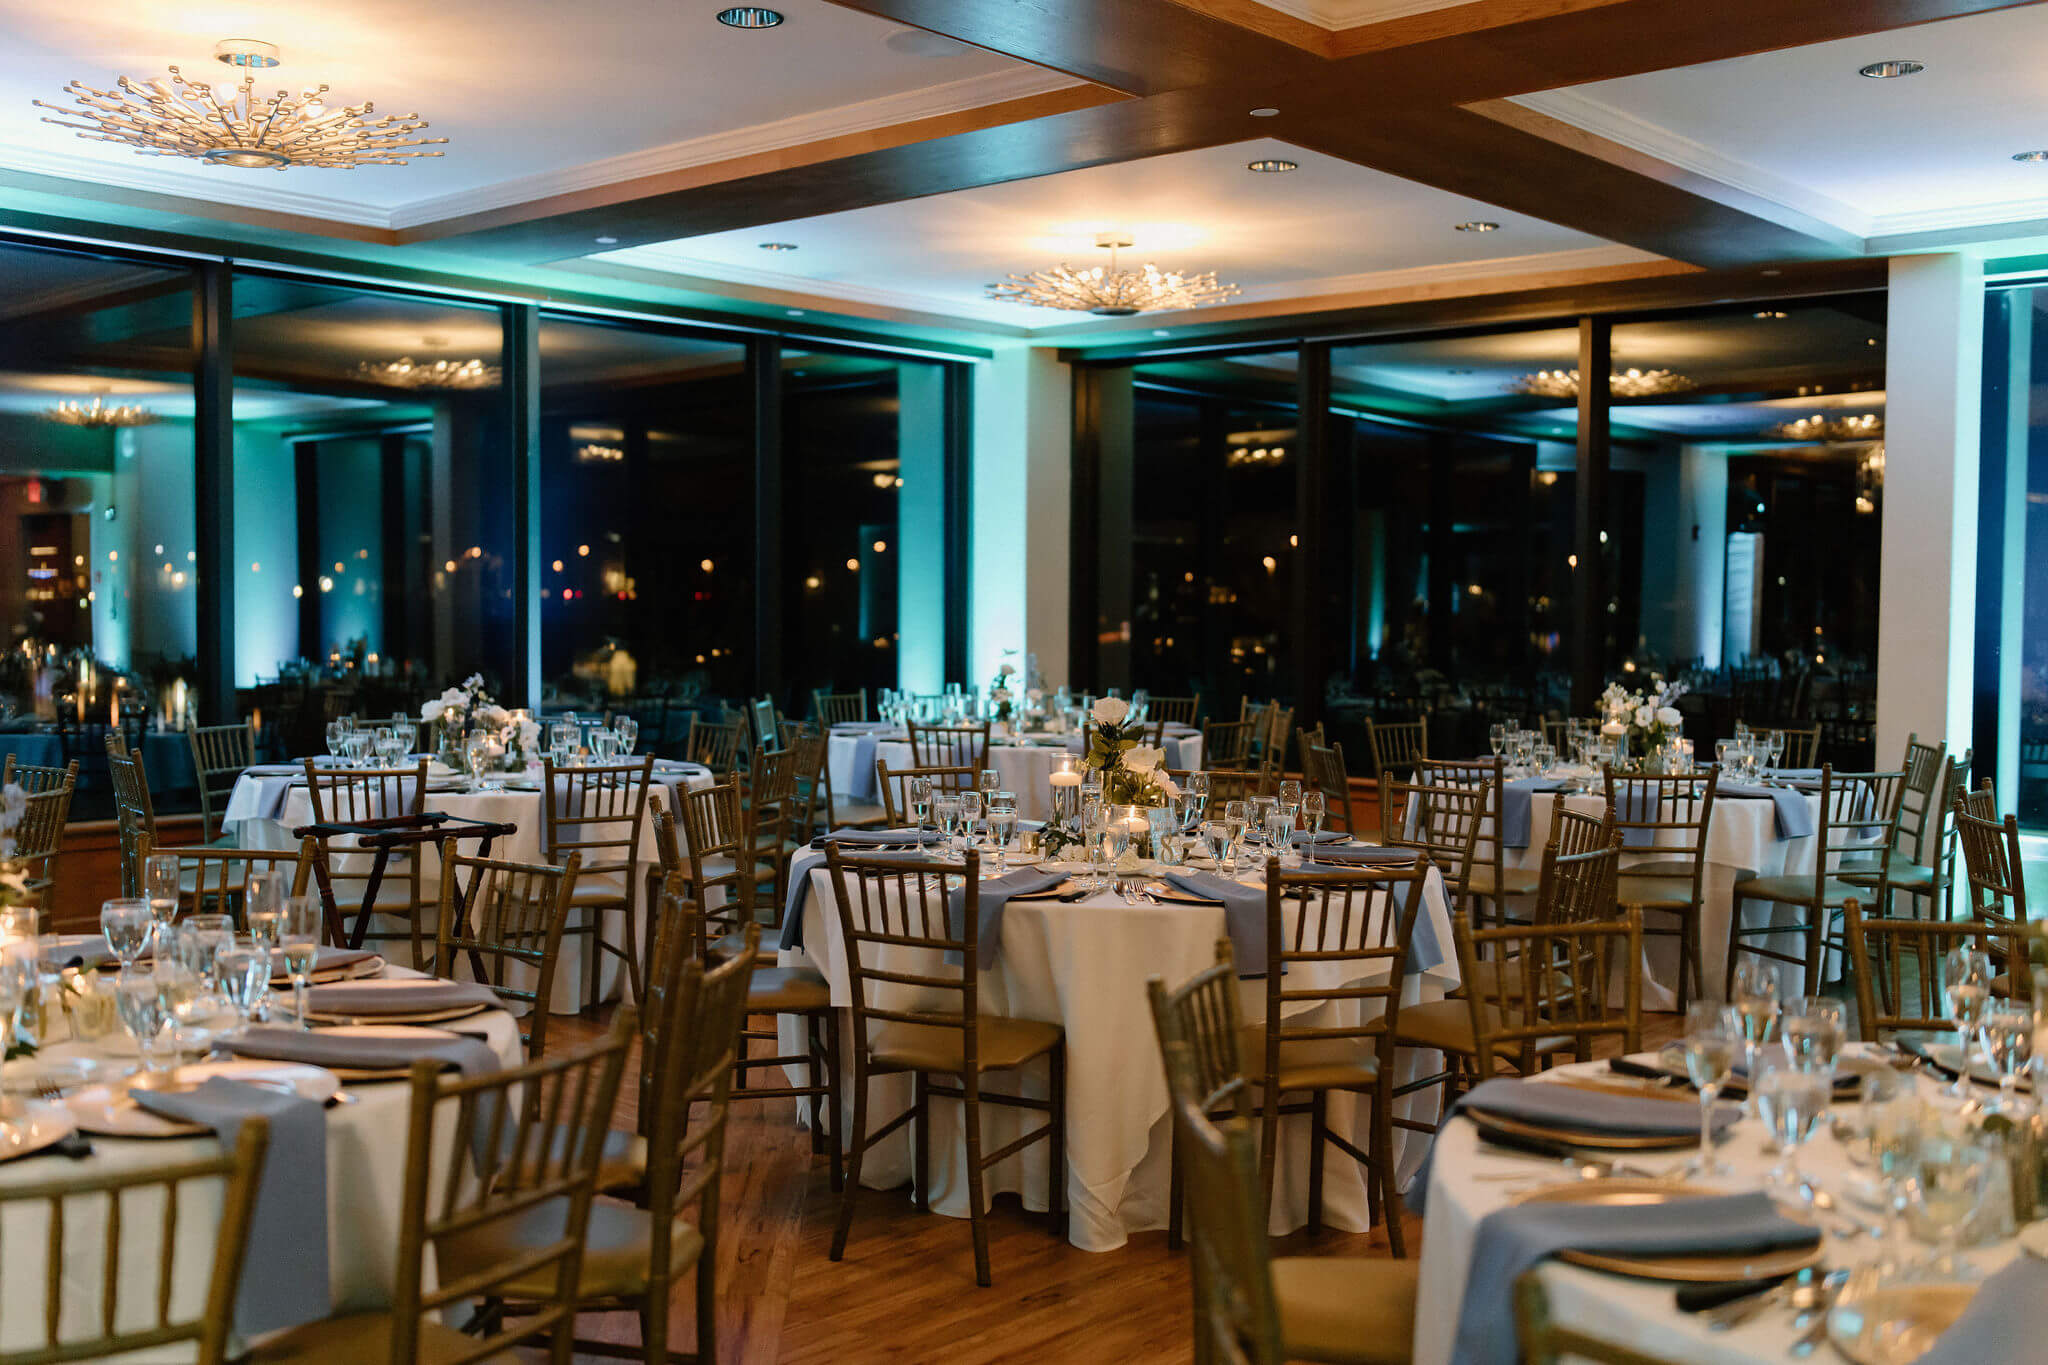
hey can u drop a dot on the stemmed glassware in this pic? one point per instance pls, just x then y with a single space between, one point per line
243 965
299 939
1754 996
628 731
160 876
1792 1102
1497 737
946 811
1814 1028
604 746
125 924
1279 832
1951 1172
989 782
920 806
1313 809
141 1011
1002 827
1966 985
1713 1040
564 739
971 808
1235 813
1891 1116
1194 793
337 736
2008 1037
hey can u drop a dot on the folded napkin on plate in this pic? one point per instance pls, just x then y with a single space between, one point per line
2004 1323
274 770
1795 817
327 960
284 1274
398 997
908 834
1328 836
1510 1241
1514 807
320 1047
1244 914
995 895
1367 855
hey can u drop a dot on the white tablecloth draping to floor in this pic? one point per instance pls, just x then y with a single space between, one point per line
1084 966
293 809
1466 1184
365 1183
1023 767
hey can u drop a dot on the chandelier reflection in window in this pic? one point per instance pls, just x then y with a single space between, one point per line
407 373
100 413
1630 383
1862 426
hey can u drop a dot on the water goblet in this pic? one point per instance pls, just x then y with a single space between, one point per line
604 746
1792 1102
2008 1045
1280 835
1289 797
337 732
243 966
989 781
1753 992
1966 987
1890 1117
946 811
1235 814
125 924
299 941
628 731
1813 1028
972 807
1002 827
1951 1172
1713 1040
201 937
1313 809
920 805
141 1011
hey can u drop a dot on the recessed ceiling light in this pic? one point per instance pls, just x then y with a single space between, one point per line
796 313
606 241
1891 70
749 16
1773 272
252 53
2030 156
1272 165
1769 313
778 246
1265 111
1160 332
1477 225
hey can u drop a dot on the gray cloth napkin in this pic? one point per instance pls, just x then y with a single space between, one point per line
995 897
801 865
1328 836
1244 914
1512 1240
1367 855
870 838
1795 817
1514 807
284 1275
2003 1325
327 960
347 997
470 1056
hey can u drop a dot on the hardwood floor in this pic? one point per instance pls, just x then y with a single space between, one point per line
906 1290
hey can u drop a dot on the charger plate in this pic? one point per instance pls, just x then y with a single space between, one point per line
107 1111
39 1124
1578 1137
1702 1269
395 1073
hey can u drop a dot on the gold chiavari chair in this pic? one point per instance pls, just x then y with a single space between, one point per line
765 722
668 850
1996 882
838 708
1445 822
1491 881
88 1316
713 826
599 811
45 814
1226 744
1546 1341
1853 828
1269 739
1252 1309
503 921
650 1246
1669 817
771 813
1322 765
894 784
1890 994
902 922
1922 857
220 754
1336 943
216 880
717 744
342 796
34 779
1203 1013
1802 746
1557 734
500 1170
1396 747
811 805
1236 784
134 814
949 746
1175 710
1570 887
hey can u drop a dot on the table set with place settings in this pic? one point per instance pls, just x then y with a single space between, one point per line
1025 762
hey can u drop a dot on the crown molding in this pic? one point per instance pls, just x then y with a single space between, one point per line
1342 14
247 191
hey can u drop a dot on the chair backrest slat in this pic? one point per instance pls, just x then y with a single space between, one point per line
497 917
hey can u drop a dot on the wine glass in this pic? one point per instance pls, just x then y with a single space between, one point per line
946 810
989 782
1290 798
920 805
628 731
1002 827
337 735
1279 832
971 808
243 965
1216 834
1814 1028
1966 985
160 886
141 1010
2008 1037
1713 1039
563 741
125 924
1754 995
1497 737
1950 1174
1792 1102
202 937
1891 1115
1195 790
299 939
1235 813
604 746
476 756
1313 809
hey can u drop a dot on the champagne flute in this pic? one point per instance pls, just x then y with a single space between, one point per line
1235 814
1497 737
1313 810
1713 1039
160 886
1195 789
125 924
299 938
1966 985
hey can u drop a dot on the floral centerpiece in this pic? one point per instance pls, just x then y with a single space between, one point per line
1647 719
20 1029
1001 700
463 708
1133 774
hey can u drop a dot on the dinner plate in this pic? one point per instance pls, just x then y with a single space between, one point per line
1702 1269
1578 1137
395 1073
30 1075
107 1111
1878 1323
39 1124
441 1016
354 971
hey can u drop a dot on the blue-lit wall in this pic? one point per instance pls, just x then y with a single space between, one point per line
266 555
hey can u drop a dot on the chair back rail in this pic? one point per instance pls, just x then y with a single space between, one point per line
500 918
1552 988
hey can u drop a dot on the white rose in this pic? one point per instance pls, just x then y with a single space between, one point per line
1645 716
494 716
529 735
1006 670
1168 785
1143 759
1669 716
431 712
1111 711
1035 693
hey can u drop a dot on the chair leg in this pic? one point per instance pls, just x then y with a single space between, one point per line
1383 1167
1056 1170
854 1152
921 1142
1318 1136
631 936
1269 1147
970 1116
812 1049
590 957
1176 1192
707 1308
831 1099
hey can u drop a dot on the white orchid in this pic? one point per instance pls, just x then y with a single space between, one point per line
1111 711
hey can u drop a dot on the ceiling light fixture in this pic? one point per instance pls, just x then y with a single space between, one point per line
99 414
606 241
2030 156
1265 111
749 16
778 246
1891 70
1866 426
1109 292
1770 314
1272 165
407 373
1477 225
230 125
1631 383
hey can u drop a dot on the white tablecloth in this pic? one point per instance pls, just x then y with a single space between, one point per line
1024 768
365 1183
1084 966
1636 1313
273 797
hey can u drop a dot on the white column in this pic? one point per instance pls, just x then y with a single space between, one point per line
1927 578
1022 467
1702 530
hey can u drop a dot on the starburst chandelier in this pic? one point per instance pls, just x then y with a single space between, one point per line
99 413
1630 383
407 373
230 125
1110 292
1866 426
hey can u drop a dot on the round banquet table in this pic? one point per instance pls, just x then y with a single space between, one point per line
1024 765
1468 1180
1084 966
365 1183
268 805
